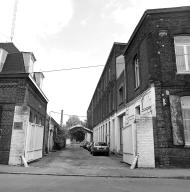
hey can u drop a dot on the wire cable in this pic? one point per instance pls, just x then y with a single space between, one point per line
74 68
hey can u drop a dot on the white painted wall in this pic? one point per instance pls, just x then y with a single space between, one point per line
138 131
18 139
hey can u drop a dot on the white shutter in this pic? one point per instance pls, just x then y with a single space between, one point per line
176 120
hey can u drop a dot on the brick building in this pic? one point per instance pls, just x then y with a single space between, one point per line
107 107
156 121
22 106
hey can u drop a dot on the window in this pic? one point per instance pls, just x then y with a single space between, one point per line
182 53
31 117
121 95
136 68
35 119
185 105
137 110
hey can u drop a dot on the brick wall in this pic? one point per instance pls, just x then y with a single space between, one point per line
8 90
16 91
6 122
166 153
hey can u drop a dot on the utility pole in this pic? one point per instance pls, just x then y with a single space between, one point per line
61 122
14 20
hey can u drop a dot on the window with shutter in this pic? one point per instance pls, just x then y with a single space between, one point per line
176 120
185 105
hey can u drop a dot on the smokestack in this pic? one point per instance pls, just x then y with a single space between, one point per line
61 122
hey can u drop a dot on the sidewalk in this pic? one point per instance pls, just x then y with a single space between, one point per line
101 172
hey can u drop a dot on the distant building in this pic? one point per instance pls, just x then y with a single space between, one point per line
55 135
154 93
22 106
107 108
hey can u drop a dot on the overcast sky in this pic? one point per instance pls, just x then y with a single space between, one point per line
70 34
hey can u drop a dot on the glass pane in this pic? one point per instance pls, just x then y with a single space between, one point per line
182 39
188 55
186 114
179 50
187 131
180 62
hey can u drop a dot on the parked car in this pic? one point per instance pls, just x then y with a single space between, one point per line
100 147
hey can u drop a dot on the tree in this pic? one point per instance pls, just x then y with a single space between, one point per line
73 120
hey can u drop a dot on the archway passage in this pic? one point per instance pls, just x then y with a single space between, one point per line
77 135
80 133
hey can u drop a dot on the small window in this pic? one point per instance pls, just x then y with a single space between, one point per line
31 117
136 70
35 119
137 110
182 53
121 95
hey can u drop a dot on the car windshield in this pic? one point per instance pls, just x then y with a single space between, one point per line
100 144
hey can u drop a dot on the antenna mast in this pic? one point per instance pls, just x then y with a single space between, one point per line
14 20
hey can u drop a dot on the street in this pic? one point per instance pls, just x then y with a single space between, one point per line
75 169
36 183
75 157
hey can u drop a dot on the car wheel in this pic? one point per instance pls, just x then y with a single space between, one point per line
93 153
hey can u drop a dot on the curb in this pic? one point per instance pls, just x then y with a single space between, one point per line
101 176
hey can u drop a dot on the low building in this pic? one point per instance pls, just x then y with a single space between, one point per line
22 106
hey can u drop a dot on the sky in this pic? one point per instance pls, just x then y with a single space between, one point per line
72 34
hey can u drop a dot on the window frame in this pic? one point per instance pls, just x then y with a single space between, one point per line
185 54
183 108
121 95
136 72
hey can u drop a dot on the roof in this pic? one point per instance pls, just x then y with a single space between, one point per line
14 63
151 12
80 126
9 47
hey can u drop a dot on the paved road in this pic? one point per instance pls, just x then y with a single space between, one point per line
75 157
45 183
56 172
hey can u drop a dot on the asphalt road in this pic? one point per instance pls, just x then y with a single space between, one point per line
36 183
75 158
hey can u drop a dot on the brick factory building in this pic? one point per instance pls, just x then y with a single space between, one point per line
141 105
22 106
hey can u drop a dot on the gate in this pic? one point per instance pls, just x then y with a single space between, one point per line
145 142
34 142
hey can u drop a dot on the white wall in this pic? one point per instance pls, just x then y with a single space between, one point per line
138 130
19 131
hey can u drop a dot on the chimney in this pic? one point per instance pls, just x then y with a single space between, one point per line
29 60
3 56
38 77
